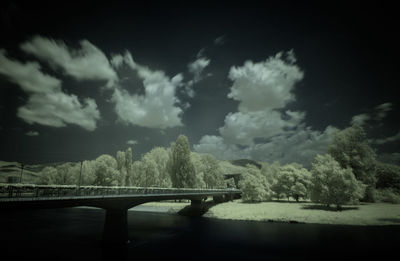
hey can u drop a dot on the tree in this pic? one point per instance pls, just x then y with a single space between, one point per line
67 174
213 176
293 181
64 174
48 176
180 166
128 165
106 171
252 189
160 157
136 178
208 171
88 172
121 167
388 177
332 184
270 171
254 186
149 171
350 149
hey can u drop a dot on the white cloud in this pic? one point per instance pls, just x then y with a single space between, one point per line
382 110
58 109
196 68
132 142
393 138
265 85
47 103
216 146
28 76
243 127
220 40
300 146
260 129
157 108
86 63
32 133
360 119
376 115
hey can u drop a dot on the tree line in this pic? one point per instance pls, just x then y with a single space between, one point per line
175 166
347 173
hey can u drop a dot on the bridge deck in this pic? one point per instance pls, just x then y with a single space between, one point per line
50 196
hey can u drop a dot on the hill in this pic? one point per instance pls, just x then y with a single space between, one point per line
244 162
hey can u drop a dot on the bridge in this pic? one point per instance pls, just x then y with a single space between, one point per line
115 200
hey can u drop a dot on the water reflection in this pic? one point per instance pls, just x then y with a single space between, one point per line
76 234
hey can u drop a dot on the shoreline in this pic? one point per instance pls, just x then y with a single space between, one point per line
371 214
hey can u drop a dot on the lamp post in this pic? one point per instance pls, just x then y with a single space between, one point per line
80 176
22 170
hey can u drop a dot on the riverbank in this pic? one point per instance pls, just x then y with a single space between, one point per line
303 212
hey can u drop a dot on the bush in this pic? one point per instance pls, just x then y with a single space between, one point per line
387 195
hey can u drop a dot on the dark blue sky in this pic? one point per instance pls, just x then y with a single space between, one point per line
346 53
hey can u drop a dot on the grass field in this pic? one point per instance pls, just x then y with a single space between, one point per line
364 214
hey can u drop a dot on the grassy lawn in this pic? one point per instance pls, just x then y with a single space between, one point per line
364 214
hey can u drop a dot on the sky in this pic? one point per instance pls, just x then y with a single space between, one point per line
270 81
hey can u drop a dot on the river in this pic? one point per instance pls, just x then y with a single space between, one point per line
75 234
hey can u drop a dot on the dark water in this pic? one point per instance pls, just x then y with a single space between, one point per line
75 234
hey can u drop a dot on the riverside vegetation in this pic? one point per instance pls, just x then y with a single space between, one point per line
348 174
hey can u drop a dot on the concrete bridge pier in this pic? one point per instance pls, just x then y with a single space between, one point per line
115 230
219 199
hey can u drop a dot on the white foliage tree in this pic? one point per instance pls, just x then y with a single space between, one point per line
106 171
332 184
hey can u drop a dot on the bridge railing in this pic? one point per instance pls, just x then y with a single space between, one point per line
19 190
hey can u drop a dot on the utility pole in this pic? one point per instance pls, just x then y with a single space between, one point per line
22 170
80 176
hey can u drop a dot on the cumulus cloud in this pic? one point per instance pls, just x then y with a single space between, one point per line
218 147
58 109
132 142
390 139
32 133
28 76
243 127
360 119
86 63
265 85
157 107
375 115
261 129
220 40
300 146
47 103
382 110
196 68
